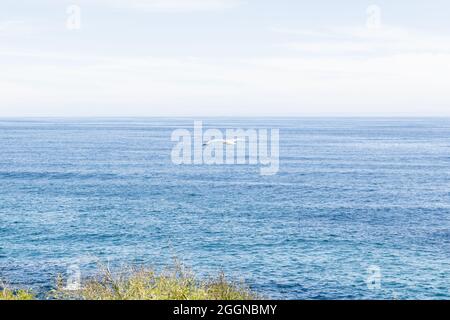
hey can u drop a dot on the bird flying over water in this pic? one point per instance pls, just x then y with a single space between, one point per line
222 141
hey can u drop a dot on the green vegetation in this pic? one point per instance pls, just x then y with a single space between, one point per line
143 284
7 294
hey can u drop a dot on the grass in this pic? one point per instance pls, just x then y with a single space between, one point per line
8 294
143 284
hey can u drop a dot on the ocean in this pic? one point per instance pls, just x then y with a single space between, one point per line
359 209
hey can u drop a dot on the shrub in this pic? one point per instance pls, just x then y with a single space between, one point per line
144 284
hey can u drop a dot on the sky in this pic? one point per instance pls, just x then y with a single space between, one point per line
135 58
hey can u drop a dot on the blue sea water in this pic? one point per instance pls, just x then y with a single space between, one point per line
351 196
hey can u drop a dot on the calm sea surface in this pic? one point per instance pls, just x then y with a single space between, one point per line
352 196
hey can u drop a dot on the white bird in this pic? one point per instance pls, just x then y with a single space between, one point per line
222 141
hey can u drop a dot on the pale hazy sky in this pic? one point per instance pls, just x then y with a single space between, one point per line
224 57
